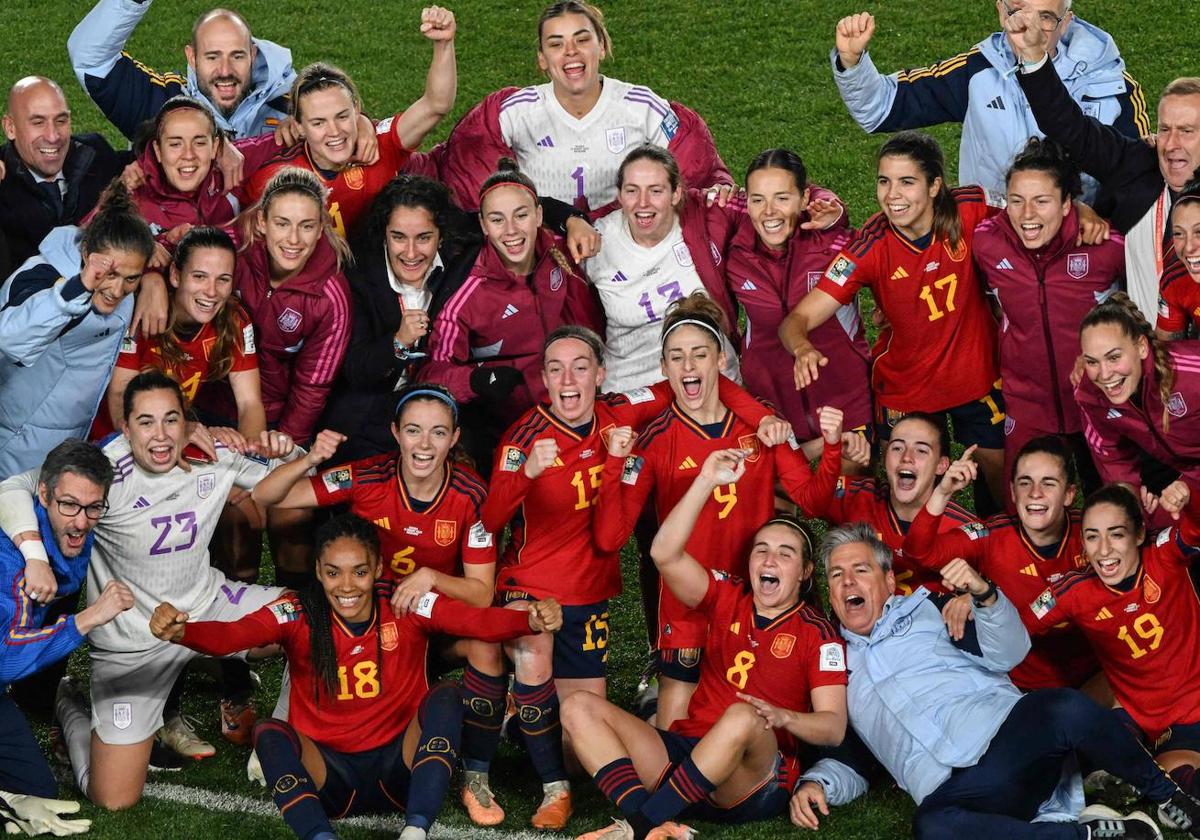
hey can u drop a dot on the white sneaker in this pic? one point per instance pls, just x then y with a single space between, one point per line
254 771
179 734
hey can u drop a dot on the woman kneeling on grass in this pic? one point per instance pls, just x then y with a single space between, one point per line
728 761
367 732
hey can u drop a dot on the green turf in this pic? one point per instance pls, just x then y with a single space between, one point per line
757 71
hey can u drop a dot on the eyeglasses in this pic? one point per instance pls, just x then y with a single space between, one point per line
1047 20
71 509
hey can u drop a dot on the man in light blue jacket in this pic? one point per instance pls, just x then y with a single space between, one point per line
977 88
63 315
980 759
243 80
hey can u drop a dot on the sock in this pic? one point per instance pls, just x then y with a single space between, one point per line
294 793
293 580
685 786
1185 776
537 709
483 699
441 720
620 783
77 735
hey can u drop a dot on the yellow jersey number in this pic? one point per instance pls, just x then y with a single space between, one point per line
366 681
1148 629
739 673
587 499
948 285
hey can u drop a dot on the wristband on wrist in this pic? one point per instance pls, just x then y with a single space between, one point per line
33 550
399 349
987 595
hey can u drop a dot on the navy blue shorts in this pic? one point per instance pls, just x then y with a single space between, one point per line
765 802
1180 736
371 781
979 422
682 664
581 646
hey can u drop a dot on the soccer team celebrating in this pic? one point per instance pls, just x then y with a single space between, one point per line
451 386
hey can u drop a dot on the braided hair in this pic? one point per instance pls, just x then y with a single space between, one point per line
315 603
1123 313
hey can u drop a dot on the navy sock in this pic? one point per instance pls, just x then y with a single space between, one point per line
537 709
483 698
682 788
441 720
620 783
1186 777
295 795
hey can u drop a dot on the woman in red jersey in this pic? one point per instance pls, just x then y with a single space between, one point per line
209 337
1137 398
327 108
366 732
767 646
937 352
1138 607
668 454
1045 281
1179 289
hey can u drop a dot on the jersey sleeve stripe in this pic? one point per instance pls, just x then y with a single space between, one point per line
1069 581
943 67
871 232
528 94
823 626
529 432
654 104
653 429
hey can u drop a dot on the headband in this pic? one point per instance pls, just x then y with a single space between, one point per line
791 523
499 184
429 392
704 325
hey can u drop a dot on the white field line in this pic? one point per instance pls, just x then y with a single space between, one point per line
234 804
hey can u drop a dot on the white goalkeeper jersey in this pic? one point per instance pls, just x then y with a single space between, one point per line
576 160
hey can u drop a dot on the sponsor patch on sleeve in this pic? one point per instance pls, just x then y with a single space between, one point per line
128 344
479 536
670 125
384 126
974 530
337 479
248 348
833 658
285 611
840 271
513 459
425 605
1043 604
639 395
632 469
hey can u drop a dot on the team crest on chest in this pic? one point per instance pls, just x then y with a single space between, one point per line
614 138
1176 406
289 320
444 531
556 279
682 255
1151 590
353 178
750 444
1077 265
205 484
389 637
782 645
814 277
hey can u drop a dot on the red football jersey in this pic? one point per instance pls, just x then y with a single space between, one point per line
780 660
351 190
1178 297
375 700
443 535
940 350
667 460
1061 656
866 500
1147 639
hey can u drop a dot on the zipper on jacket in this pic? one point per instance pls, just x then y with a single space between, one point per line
1042 305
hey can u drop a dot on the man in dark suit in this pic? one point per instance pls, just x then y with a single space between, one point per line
51 178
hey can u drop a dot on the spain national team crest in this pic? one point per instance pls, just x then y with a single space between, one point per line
444 531
814 277
1176 406
614 138
750 444
1151 590
289 320
556 279
205 484
782 645
122 715
1077 265
353 178
389 637
682 255
956 252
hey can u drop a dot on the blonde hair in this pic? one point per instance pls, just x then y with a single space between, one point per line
292 180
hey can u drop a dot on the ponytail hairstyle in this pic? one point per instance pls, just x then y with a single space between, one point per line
1121 496
577 7
428 392
320 76
1044 155
1123 313
808 590
655 154
697 310
509 174
925 152
117 225
784 159
316 605
291 180
225 322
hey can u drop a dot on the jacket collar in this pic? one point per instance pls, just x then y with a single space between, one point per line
311 279
895 610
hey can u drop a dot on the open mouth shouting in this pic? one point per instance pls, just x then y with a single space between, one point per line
768 584
906 480
692 386
162 454
574 71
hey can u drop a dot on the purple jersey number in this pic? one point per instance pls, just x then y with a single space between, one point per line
182 522
669 290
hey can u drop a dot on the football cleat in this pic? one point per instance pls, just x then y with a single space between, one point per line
556 807
1181 812
619 830
164 759
237 722
671 831
478 799
1135 826
179 734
